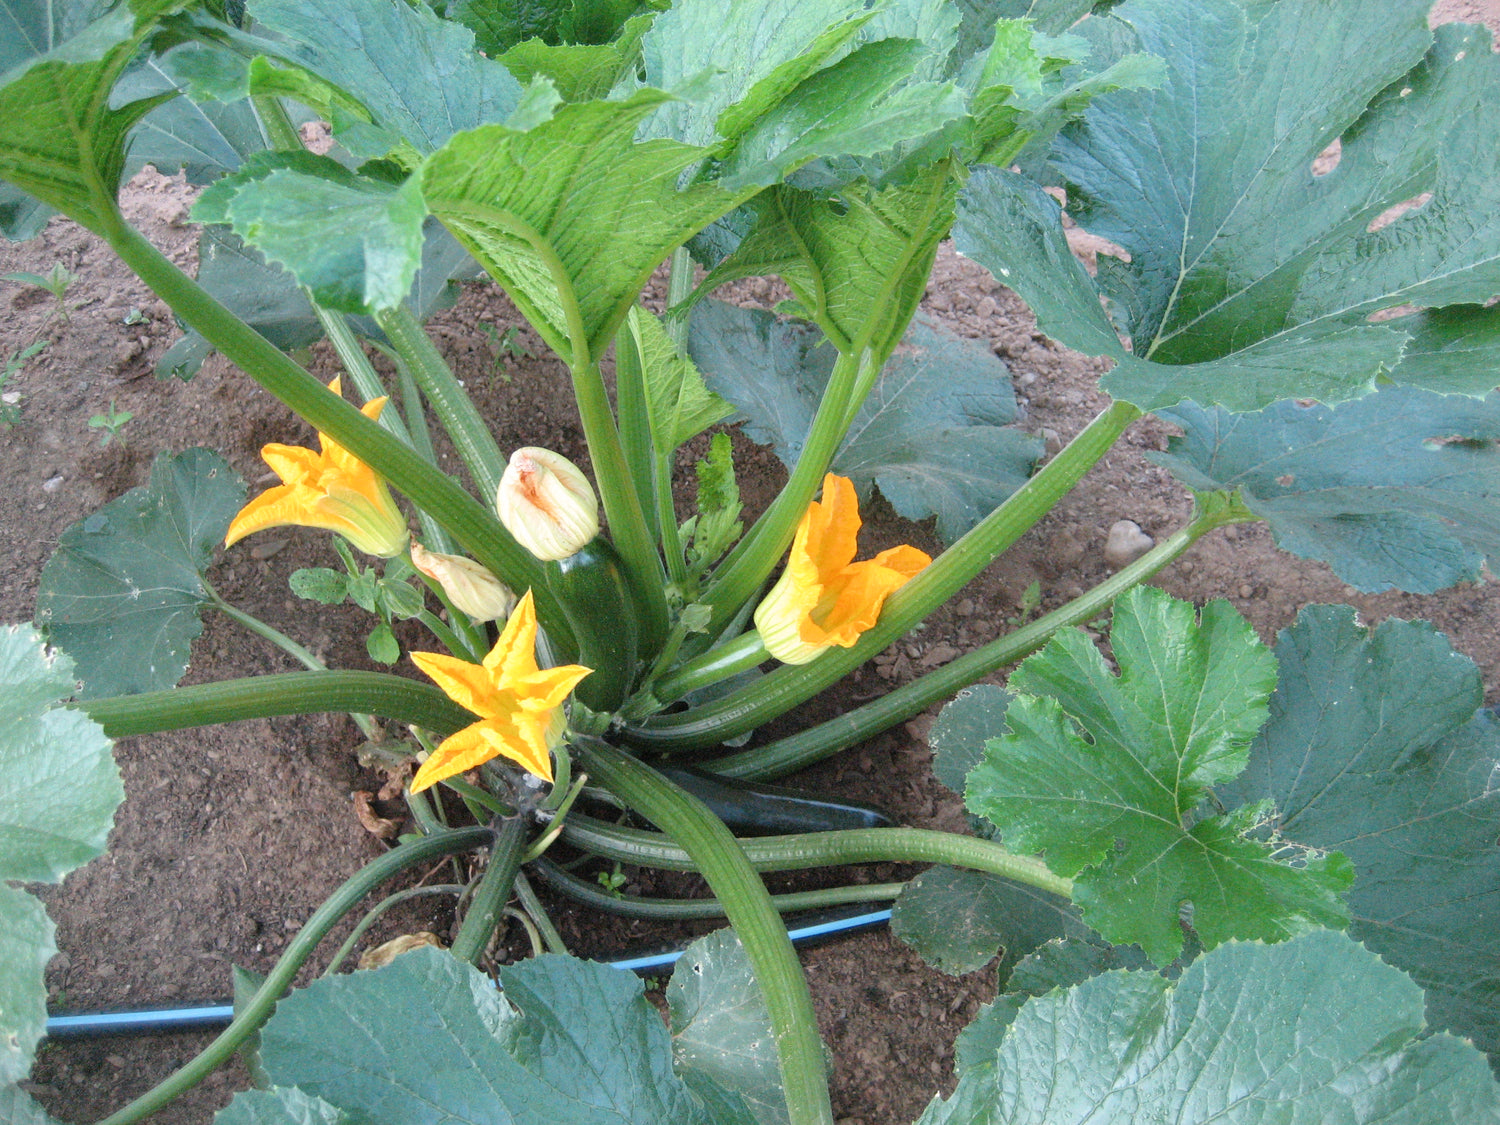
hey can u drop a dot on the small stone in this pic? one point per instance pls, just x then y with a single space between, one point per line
966 607
52 484
1247 590
1053 441
1126 543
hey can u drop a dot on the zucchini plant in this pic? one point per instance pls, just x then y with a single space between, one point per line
1158 845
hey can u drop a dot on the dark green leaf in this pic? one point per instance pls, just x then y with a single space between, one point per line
418 77
721 1030
381 645
399 599
427 1039
1106 774
1313 1029
1401 488
933 434
280 1106
571 216
1374 747
1455 350
500 24
319 584
59 789
1248 278
963 726
121 594
958 921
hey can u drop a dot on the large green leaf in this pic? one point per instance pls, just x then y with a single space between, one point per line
352 241
417 76
60 138
1375 747
59 789
1400 488
572 215
1315 1029
428 1039
1108 775
934 433
121 594
721 1028
1249 279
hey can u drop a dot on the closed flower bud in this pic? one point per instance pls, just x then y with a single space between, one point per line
547 503
469 586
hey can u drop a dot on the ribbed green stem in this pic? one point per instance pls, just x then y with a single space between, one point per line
493 892
627 523
740 575
717 664
454 408
258 1008
821 849
538 915
667 909
475 527
716 853
635 424
286 693
787 687
789 754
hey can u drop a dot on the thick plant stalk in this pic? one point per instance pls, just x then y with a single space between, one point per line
494 891
792 753
477 530
258 1009
284 693
787 687
717 854
821 849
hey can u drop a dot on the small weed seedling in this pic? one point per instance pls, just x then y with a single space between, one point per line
55 281
10 401
112 421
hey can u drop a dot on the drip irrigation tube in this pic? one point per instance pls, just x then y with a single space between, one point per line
84 1024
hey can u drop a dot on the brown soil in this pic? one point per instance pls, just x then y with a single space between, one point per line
231 836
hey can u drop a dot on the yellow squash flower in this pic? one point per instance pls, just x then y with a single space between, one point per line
332 490
515 700
824 597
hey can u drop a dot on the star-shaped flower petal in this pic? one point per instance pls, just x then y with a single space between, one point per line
516 702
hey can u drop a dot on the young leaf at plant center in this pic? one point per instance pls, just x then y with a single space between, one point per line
857 260
60 138
959 921
716 526
353 241
721 1028
319 584
1336 1035
1248 279
122 592
59 789
934 433
678 402
418 76
572 215
1400 488
428 1037
1375 747
1108 775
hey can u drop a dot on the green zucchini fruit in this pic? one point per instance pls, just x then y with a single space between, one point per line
595 596
751 809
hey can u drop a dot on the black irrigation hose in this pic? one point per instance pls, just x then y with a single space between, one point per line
80 1025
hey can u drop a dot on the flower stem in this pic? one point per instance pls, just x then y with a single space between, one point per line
628 529
717 854
374 915
821 849
538 915
493 892
717 664
785 688
258 1008
786 755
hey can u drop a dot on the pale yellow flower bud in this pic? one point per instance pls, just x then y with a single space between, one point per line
469 586
546 502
